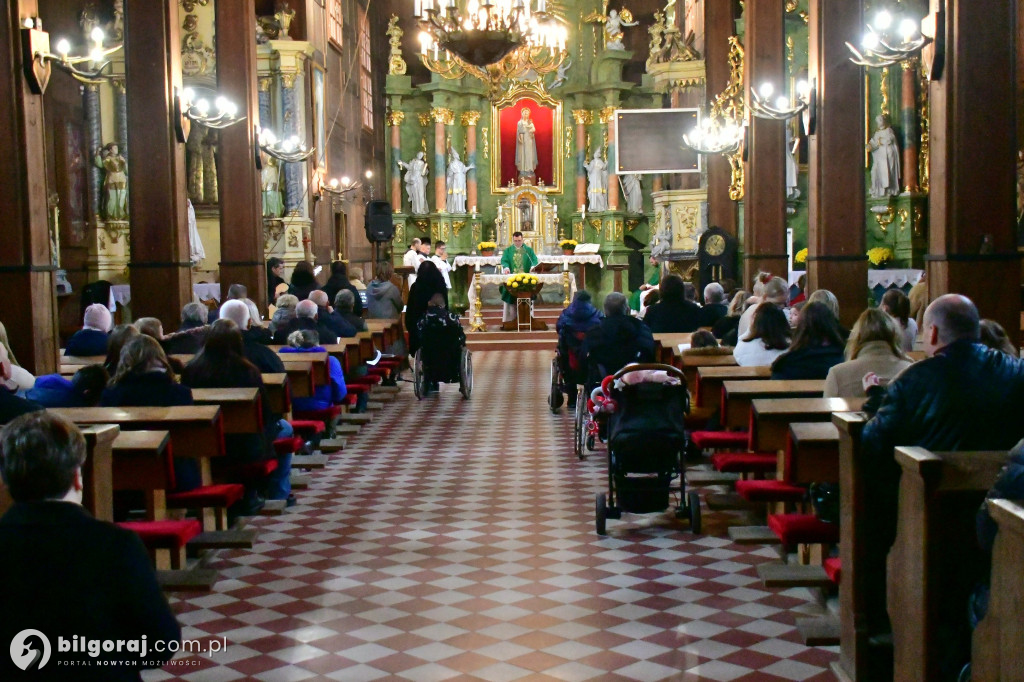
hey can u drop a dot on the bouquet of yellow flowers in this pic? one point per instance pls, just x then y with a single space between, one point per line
487 247
567 244
879 255
801 256
521 282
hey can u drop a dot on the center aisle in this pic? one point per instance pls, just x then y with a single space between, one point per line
455 539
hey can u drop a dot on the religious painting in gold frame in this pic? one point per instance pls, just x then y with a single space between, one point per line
546 113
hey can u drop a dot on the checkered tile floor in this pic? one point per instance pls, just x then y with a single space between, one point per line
455 540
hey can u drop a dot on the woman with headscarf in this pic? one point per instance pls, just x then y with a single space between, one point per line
429 281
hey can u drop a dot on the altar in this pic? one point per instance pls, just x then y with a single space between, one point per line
565 280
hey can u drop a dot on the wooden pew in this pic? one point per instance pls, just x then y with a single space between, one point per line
278 393
691 364
82 360
666 346
772 418
934 563
314 365
738 395
997 653
711 377
240 407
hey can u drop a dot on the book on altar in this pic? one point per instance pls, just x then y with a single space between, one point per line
586 249
542 268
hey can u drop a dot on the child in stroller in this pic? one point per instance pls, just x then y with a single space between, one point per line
442 356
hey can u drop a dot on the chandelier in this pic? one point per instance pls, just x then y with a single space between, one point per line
890 38
491 40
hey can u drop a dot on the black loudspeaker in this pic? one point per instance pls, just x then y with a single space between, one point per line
379 227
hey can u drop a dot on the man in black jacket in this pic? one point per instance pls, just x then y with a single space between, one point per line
325 317
619 340
339 281
67 575
964 396
715 307
675 313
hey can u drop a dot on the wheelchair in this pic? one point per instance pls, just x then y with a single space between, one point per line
442 358
561 381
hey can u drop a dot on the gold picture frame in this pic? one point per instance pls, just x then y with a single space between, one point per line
529 90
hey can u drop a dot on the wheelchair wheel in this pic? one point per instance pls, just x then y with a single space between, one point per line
693 507
578 434
601 514
555 397
466 374
419 382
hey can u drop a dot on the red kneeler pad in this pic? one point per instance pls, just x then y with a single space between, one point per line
744 462
164 534
307 428
282 446
206 497
710 440
833 569
324 416
770 491
795 529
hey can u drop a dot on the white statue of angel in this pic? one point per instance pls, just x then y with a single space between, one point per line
613 29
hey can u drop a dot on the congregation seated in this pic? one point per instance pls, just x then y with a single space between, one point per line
715 307
874 347
800 296
192 332
305 319
339 281
324 395
122 334
256 329
726 328
963 396
145 378
429 281
767 339
345 310
617 341
896 304
11 405
254 338
221 363
383 299
766 289
236 292
284 313
356 279
817 345
83 390
91 339
329 324
275 272
994 336
303 281
573 324
67 574
674 313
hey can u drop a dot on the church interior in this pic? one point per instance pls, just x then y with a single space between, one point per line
166 153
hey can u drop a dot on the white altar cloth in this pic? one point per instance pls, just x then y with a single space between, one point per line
587 259
884 278
121 294
547 279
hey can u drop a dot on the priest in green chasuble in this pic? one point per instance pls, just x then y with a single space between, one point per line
516 259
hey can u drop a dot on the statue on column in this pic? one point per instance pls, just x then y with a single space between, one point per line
633 192
416 183
656 50
270 184
885 160
597 182
526 145
792 173
115 183
613 29
456 180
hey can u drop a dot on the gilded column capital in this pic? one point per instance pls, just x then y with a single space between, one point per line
583 117
443 115
424 119
395 118
470 118
265 82
118 84
607 113
288 79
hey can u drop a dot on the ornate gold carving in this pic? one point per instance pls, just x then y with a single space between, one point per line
883 86
400 232
631 224
539 60
618 231
190 5
457 227
730 105
684 83
791 6
904 215
395 118
293 238
596 223
435 232
265 82
396 65
791 54
443 115
118 84
422 224
568 141
737 179
918 221
583 116
288 79
687 220
884 220
470 118
606 114
273 230
197 58
483 139
534 91
577 231
925 149
424 119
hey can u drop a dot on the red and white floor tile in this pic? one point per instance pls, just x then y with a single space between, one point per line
454 540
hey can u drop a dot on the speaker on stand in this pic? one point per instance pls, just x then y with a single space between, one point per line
379 225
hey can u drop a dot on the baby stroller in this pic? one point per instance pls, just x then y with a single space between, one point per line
646 445
442 356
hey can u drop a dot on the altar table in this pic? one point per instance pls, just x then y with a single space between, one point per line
550 279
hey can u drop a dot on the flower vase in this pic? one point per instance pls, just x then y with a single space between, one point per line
486 252
567 252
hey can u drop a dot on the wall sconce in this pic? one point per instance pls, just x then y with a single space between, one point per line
336 187
715 136
39 61
218 115
891 37
291 150
780 110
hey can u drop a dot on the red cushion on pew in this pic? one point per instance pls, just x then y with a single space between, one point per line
366 379
325 415
307 427
770 491
357 388
833 569
351 399
741 462
207 496
706 440
795 529
164 534
283 446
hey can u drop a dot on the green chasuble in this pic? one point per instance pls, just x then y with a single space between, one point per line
634 298
517 260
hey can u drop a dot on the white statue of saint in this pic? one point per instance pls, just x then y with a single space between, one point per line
633 192
791 169
613 29
597 182
416 183
562 75
456 180
526 144
885 160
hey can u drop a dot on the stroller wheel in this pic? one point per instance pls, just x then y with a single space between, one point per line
601 514
693 506
578 435
590 442
555 397
418 381
466 374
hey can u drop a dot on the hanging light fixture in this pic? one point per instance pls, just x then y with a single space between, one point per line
892 36
40 60
715 136
192 106
780 109
290 150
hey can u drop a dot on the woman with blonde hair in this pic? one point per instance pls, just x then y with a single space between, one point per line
725 328
874 348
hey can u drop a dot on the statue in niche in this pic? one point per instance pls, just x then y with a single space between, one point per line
792 174
194 163
117 26
656 49
526 145
633 192
209 149
115 183
284 16
613 28
597 182
456 180
416 183
270 182
525 214
885 160
661 242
